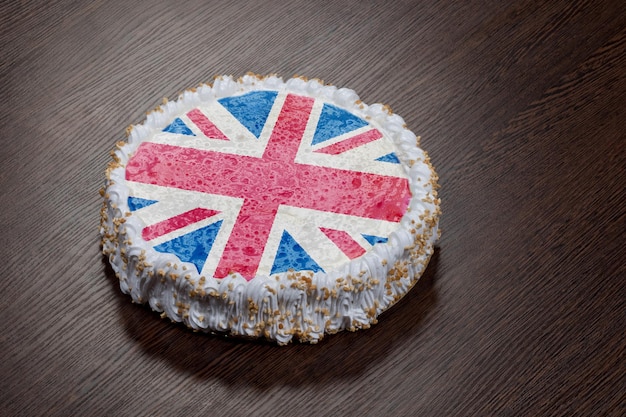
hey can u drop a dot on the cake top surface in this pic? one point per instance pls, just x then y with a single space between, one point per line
263 181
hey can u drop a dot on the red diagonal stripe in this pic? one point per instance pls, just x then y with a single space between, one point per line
176 222
351 143
206 126
344 242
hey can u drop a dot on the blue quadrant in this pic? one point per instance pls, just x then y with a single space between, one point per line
290 255
390 157
193 247
135 203
335 121
251 109
374 239
178 126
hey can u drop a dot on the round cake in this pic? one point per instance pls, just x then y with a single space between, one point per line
263 208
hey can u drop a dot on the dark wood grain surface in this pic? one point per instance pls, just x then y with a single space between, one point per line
522 107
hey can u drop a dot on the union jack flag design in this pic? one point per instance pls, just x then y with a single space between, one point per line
265 182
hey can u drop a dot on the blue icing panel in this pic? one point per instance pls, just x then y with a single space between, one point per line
178 126
374 239
251 109
193 247
135 203
290 255
335 121
390 157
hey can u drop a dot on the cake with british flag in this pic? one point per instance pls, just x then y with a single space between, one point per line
265 208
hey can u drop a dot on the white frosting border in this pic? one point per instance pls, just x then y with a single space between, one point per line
291 304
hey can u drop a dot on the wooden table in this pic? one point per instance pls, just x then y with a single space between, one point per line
522 107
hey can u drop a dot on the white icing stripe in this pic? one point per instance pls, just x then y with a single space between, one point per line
306 234
309 131
264 137
313 241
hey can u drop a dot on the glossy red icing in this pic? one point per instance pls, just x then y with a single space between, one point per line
344 242
206 126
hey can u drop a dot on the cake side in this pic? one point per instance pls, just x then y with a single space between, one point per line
288 304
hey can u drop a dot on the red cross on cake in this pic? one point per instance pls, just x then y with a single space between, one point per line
274 209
